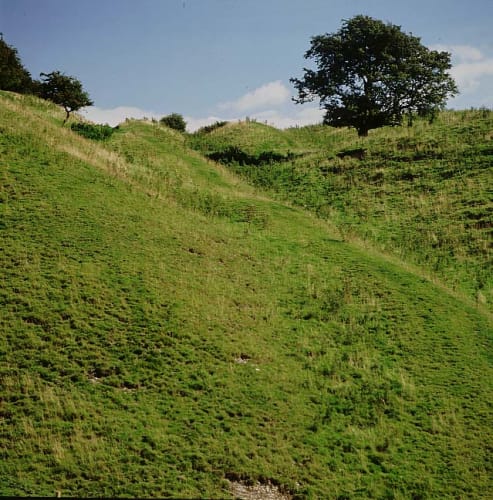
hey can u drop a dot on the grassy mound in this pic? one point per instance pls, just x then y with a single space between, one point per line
422 193
167 331
251 137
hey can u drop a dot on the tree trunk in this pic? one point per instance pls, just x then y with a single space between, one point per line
67 114
362 132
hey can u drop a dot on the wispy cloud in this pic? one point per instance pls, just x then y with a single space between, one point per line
271 94
469 74
465 53
471 65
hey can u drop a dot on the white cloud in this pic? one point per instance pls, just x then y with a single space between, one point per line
194 124
116 115
268 95
461 52
468 74
471 66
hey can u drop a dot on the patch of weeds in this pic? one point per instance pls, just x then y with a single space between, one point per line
93 131
234 155
216 205
207 129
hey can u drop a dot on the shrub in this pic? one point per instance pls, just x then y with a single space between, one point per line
174 121
234 155
94 132
207 129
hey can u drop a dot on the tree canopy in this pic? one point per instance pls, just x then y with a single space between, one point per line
66 91
13 76
371 74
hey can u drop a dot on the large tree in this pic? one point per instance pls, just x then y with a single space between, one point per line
13 75
371 74
66 91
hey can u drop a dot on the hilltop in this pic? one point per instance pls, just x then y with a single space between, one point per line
168 329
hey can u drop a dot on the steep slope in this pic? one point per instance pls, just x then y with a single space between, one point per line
166 330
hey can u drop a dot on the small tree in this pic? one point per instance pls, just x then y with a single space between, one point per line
66 91
371 74
174 121
13 75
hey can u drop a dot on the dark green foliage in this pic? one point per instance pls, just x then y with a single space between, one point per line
207 129
358 153
93 131
234 155
174 121
66 91
13 76
371 74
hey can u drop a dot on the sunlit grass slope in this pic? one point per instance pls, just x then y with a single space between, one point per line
250 136
165 329
422 193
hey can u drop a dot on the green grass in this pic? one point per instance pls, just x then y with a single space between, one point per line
250 136
423 194
166 327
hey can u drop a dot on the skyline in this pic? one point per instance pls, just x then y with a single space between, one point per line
225 59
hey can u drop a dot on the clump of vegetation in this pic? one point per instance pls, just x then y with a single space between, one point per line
13 76
233 155
174 121
96 132
207 129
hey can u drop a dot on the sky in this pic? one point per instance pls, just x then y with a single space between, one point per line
215 60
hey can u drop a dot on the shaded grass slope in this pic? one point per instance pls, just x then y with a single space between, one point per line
165 328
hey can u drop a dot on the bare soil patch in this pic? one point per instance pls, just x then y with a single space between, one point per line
257 491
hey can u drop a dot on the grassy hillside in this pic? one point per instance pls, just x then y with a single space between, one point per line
250 136
168 331
423 193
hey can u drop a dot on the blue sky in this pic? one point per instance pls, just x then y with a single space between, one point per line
225 59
